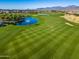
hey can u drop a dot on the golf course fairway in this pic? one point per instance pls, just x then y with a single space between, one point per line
51 39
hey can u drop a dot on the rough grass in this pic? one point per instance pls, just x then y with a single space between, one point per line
51 39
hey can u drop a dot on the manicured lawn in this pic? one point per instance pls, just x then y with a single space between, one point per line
51 39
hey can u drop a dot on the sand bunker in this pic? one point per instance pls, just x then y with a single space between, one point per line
72 18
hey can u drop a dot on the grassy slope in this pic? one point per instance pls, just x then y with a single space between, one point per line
52 39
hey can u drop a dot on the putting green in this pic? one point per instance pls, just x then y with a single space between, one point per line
52 39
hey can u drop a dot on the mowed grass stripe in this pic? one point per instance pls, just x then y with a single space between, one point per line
51 20
27 37
3 47
23 41
42 51
41 34
8 39
7 33
8 36
41 45
75 54
50 40
56 44
30 43
43 27
42 31
69 51
67 40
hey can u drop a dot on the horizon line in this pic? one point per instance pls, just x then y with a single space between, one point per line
36 8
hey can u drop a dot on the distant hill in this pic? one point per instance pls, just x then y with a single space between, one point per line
68 8
71 8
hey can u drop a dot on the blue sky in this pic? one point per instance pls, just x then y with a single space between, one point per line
32 4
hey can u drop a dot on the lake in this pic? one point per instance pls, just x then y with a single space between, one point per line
28 21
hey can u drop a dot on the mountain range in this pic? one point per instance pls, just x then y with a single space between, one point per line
60 8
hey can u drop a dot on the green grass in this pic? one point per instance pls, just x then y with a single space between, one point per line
51 39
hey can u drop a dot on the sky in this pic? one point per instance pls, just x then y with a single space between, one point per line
32 4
